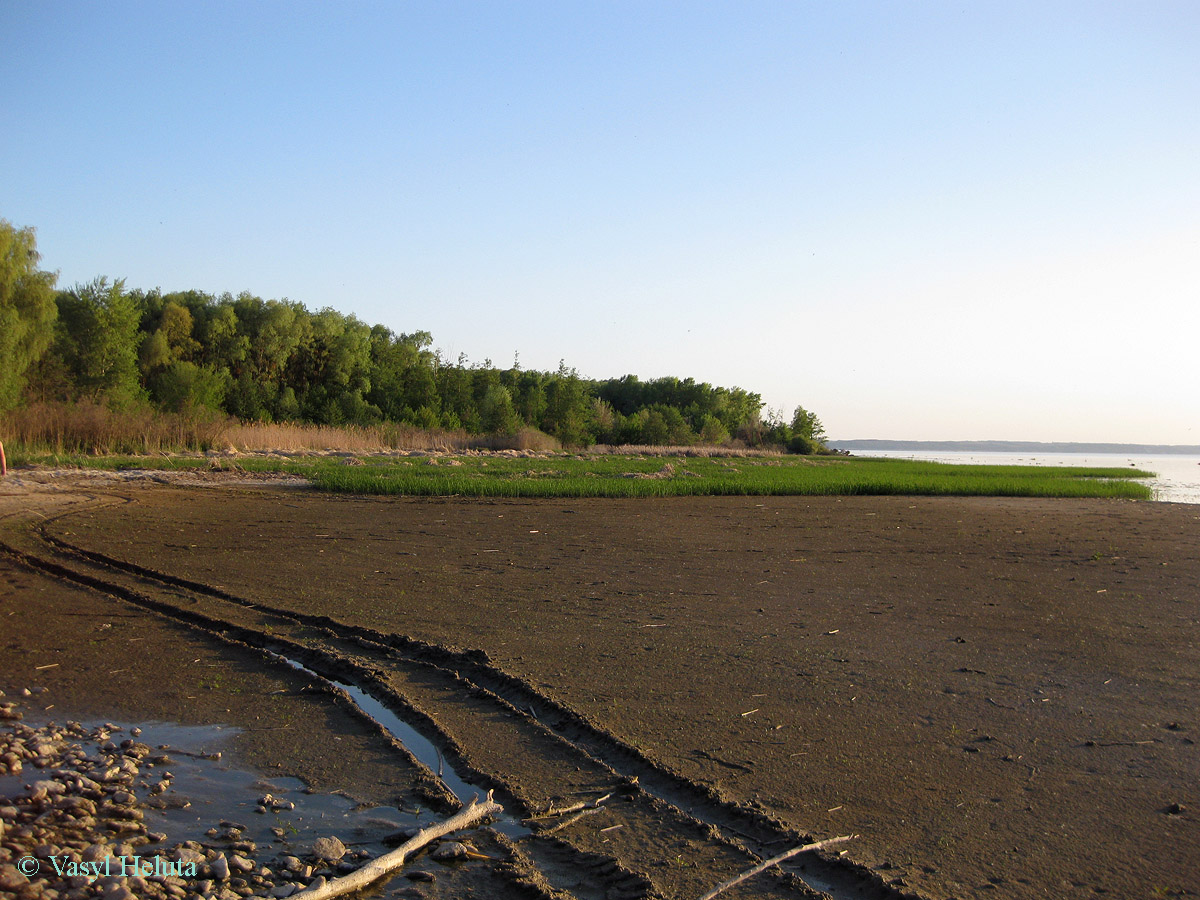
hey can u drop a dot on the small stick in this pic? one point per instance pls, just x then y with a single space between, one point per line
1128 743
571 821
3 461
552 813
750 873
376 869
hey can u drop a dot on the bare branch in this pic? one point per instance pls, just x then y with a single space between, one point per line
376 869
763 866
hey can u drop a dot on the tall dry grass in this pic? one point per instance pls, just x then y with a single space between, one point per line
95 429
388 436
287 437
734 449
92 428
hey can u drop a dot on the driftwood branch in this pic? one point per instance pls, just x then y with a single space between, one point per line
376 869
763 866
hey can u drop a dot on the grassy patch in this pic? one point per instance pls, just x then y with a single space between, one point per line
558 475
617 476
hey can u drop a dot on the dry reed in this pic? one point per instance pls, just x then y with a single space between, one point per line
92 428
736 450
388 436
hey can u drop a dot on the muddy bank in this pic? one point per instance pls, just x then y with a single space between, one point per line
997 695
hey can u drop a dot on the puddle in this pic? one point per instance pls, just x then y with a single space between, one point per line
417 744
207 790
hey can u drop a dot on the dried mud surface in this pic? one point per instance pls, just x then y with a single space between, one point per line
996 696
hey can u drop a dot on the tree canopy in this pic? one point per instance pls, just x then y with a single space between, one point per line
27 310
275 360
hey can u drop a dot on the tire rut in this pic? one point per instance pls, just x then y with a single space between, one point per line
658 835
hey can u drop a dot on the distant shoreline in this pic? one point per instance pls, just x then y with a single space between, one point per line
1018 447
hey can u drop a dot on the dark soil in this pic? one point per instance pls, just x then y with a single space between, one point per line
997 696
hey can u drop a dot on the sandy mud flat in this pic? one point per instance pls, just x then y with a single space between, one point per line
996 696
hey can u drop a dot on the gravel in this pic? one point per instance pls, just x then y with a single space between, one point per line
81 818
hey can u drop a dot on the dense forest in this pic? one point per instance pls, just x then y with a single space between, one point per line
185 352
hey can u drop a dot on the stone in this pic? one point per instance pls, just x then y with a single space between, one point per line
187 855
329 849
11 879
96 852
451 850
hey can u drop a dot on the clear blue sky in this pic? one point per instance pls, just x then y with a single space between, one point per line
921 220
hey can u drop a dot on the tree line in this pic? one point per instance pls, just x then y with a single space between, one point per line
275 360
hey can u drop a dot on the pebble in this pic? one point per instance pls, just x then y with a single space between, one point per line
83 796
330 849
87 805
451 850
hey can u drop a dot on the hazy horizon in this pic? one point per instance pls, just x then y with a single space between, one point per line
919 221
1016 442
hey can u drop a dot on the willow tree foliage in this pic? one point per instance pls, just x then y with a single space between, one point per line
27 309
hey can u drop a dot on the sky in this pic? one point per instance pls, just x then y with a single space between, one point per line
920 220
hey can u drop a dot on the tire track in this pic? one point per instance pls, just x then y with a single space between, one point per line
663 836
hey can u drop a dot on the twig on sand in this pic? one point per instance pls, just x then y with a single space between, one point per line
763 866
376 869
582 809
552 813
571 821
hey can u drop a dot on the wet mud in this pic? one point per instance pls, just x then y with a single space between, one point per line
995 696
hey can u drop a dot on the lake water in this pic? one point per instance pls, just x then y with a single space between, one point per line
1177 477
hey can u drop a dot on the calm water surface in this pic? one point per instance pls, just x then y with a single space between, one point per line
1177 477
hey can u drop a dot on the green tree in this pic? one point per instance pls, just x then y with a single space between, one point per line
27 310
185 386
807 432
497 415
267 337
568 408
98 340
712 432
330 370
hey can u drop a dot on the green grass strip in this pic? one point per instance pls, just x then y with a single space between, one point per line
652 476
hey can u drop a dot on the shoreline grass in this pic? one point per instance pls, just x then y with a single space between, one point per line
643 475
650 477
